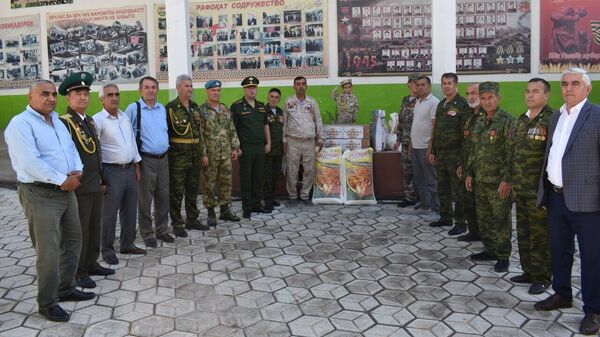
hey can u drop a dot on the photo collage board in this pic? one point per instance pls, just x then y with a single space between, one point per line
20 51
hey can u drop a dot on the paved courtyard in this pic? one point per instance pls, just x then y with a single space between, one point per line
301 271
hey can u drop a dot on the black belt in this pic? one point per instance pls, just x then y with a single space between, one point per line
45 185
128 165
557 189
155 156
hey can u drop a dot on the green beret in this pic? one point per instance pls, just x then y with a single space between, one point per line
492 87
77 80
212 84
250 81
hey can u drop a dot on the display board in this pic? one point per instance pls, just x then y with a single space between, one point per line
110 43
268 39
493 36
37 3
383 37
20 51
570 35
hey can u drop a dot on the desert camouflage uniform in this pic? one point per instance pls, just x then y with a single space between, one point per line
347 106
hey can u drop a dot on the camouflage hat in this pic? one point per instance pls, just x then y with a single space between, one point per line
250 81
413 77
77 80
344 82
492 87
212 84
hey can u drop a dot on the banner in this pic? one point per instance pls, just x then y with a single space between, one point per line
110 43
37 3
570 35
271 39
20 56
493 36
383 37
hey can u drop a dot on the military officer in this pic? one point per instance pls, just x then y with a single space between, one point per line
185 149
250 120
528 142
221 147
76 88
346 103
274 158
490 161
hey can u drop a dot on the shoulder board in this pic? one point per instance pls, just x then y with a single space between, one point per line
66 116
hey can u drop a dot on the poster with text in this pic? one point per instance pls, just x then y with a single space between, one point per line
110 43
570 35
493 36
270 39
383 37
37 3
20 51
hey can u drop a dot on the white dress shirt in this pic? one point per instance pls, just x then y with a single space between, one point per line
560 138
117 139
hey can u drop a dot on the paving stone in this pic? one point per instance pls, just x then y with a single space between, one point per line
175 307
386 331
392 315
352 321
310 326
281 312
357 302
320 307
197 321
107 328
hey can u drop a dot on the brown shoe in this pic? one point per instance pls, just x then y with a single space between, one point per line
590 324
552 303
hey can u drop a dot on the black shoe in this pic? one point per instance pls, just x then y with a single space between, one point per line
246 214
260 209
483 256
166 238
180 232
537 288
590 324
552 303
405 203
86 282
196 224
228 216
101 271
77 295
150 243
55 314
458 229
469 237
211 222
417 206
111 260
520 279
440 223
275 203
501 266
306 201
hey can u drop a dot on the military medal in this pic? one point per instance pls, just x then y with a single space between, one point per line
493 135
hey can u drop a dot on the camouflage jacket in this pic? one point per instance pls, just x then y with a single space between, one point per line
528 140
490 159
405 119
347 106
467 143
449 125
184 128
218 131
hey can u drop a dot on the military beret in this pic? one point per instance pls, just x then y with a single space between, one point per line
77 80
413 77
212 84
250 81
344 82
489 87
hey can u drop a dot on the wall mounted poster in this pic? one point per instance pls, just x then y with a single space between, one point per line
20 56
493 36
267 39
383 37
109 43
570 35
37 3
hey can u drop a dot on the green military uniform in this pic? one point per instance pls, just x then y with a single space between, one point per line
447 137
347 105
405 119
470 211
489 164
273 159
528 141
186 146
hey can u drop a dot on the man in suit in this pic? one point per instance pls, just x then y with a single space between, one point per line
570 189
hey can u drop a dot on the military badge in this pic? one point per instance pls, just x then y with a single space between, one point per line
492 135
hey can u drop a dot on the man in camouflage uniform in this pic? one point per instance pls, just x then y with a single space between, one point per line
447 137
490 164
274 158
185 149
221 147
470 211
405 119
346 103
528 141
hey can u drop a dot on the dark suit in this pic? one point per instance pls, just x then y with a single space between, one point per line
576 209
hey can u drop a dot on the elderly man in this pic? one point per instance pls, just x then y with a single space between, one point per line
570 189
185 154
301 135
48 170
89 195
121 166
346 103
149 120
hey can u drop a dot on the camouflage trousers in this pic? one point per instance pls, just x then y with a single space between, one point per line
532 236
271 172
470 210
184 180
493 214
449 189
217 182
410 193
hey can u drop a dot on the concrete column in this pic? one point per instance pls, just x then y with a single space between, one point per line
443 34
178 40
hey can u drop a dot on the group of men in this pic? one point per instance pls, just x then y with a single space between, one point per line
465 161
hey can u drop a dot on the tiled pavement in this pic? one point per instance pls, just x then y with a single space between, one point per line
302 271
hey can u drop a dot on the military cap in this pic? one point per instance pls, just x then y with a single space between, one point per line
413 77
489 87
212 84
77 80
250 81
344 82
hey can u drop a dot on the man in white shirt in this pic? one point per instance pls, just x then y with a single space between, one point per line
120 163
420 141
